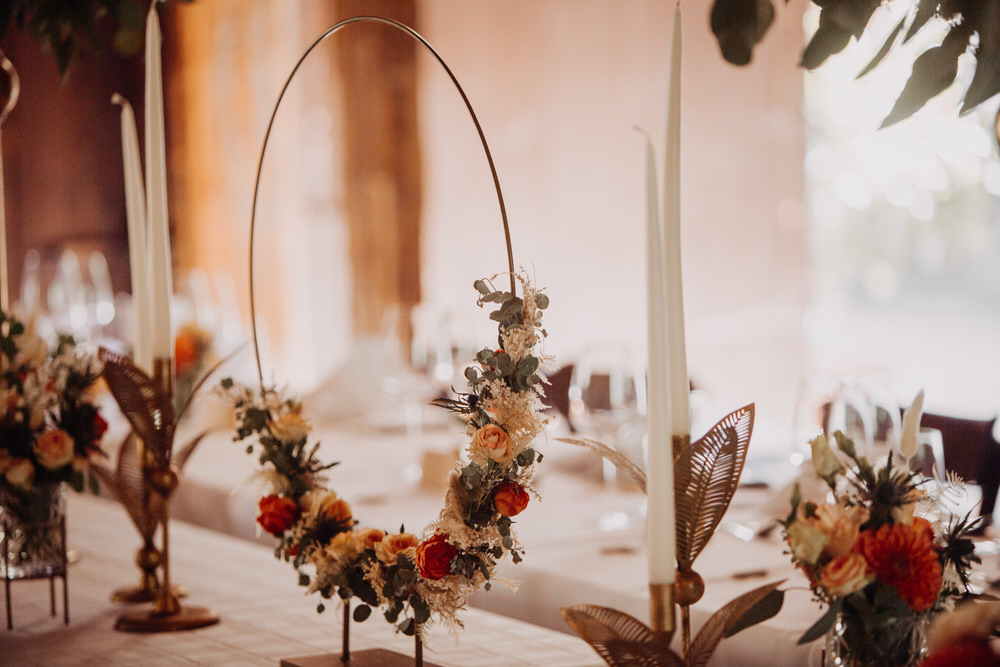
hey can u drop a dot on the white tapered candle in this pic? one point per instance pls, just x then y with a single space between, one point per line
660 531
678 384
161 284
135 213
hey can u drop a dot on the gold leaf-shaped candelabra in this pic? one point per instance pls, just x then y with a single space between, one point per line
706 474
146 403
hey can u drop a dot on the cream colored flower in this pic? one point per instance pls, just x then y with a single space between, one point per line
846 574
20 473
840 525
290 427
824 459
806 542
54 449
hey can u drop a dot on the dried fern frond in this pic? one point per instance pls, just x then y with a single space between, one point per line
621 461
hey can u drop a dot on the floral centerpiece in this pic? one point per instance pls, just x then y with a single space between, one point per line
410 577
878 554
50 427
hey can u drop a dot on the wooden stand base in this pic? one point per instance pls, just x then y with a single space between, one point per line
147 620
137 594
375 657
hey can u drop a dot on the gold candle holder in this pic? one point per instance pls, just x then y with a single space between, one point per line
706 474
146 403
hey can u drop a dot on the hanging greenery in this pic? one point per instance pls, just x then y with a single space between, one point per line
68 28
973 26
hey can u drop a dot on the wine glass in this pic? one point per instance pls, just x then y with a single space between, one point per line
607 402
830 402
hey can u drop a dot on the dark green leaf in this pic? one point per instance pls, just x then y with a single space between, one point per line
361 613
739 25
820 627
406 626
986 81
926 9
933 71
766 608
886 47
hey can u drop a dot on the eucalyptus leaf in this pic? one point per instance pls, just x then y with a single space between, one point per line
361 613
820 627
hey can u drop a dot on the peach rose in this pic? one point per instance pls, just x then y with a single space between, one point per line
290 427
20 473
840 525
54 449
389 547
510 498
369 537
846 574
494 442
343 545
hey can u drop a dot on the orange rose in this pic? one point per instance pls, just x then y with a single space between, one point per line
277 514
434 557
389 547
494 442
335 509
510 498
369 537
845 574
54 449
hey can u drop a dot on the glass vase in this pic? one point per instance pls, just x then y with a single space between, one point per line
32 531
857 642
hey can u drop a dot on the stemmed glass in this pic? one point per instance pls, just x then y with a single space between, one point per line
607 403
830 402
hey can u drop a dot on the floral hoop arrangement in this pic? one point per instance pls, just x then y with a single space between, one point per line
411 578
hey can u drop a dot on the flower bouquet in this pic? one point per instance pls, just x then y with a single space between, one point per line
878 554
49 430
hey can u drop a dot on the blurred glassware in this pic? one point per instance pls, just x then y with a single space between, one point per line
830 402
607 402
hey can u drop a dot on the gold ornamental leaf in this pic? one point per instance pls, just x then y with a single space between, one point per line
705 478
620 639
143 403
185 452
127 483
718 625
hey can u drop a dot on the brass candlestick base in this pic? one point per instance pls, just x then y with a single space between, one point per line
150 620
706 474
146 403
